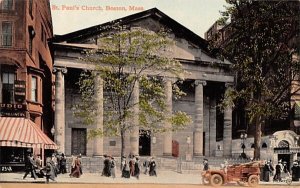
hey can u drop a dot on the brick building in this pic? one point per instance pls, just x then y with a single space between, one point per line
26 81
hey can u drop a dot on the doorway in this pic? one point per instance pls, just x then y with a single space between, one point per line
145 143
285 158
79 141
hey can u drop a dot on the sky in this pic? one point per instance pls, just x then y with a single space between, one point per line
73 15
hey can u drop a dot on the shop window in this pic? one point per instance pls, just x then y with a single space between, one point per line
6 34
34 93
8 80
7 4
12 155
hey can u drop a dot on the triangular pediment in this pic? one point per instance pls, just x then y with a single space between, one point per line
153 17
189 46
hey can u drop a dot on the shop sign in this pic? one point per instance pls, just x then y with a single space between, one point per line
12 114
9 106
12 110
20 90
6 168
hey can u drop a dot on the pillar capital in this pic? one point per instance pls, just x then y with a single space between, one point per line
228 85
169 79
200 82
64 70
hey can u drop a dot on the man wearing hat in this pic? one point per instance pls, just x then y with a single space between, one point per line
294 171
278 169
205 165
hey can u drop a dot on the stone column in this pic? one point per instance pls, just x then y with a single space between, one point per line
167 146
134 132
59 118
227 134
199 118
98 141
213 127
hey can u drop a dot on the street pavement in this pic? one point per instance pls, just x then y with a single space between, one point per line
163 178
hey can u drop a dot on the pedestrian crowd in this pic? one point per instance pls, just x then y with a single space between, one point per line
130 167
281 171
55 165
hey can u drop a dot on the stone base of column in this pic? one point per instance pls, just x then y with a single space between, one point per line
198 155
97 155
167 154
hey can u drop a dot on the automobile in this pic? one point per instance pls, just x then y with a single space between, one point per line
243 174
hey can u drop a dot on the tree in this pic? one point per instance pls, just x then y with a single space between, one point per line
262 37
126 59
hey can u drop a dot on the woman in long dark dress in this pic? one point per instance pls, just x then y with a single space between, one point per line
125 169
76 172
63 164
50 174
266 172
137 168
152 167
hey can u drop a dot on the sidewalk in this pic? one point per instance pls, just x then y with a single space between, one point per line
164 177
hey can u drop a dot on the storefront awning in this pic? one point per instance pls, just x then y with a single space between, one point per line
22 132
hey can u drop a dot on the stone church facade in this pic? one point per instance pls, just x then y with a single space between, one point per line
210 133
208 79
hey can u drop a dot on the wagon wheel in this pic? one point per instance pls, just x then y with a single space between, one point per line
205 181
253 180
216 180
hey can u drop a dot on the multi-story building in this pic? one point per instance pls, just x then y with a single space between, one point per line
26 82
281 134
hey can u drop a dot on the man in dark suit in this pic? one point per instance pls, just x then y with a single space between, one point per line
30 166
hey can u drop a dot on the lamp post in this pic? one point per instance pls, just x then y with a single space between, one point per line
188 154
243 138
188 141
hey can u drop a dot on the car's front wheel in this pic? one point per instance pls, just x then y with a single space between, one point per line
205 181
253 180
216 180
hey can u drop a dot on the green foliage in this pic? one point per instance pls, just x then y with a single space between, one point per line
261 38
260 48
124 59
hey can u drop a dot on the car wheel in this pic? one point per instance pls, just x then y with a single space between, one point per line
216 180
205 181
253 180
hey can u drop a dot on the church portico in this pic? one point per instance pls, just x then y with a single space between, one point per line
204 86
